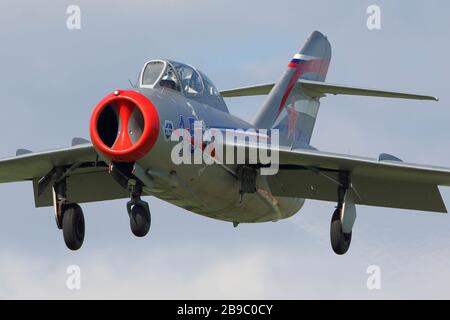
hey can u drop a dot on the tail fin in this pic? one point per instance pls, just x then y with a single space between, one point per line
292 111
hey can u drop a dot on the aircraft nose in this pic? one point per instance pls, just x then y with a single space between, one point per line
124 126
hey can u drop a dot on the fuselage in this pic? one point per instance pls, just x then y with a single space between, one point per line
136 126
209 190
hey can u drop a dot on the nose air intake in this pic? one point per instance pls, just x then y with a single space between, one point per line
124 126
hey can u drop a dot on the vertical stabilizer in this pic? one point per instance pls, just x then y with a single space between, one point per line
289 109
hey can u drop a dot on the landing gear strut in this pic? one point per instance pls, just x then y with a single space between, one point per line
138 211
69 216
343 218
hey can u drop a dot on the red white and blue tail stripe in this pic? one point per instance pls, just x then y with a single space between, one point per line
299 58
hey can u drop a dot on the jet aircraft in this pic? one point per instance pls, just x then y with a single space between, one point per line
131 149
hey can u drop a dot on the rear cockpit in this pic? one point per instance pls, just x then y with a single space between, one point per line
181 78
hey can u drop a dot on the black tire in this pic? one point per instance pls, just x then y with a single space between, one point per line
340 242
73 226
140 220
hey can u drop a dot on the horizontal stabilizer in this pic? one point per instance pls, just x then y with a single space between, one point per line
256 90
319 89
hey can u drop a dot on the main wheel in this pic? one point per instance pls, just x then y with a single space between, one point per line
140 220
73 226
340 241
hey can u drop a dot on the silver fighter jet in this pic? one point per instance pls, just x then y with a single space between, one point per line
134 135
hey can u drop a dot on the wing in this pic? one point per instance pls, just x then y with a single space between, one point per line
318 89
88 178
314 174
35 165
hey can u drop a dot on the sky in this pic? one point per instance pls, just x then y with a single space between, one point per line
52 77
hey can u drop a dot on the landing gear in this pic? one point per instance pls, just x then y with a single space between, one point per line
340 241
69 216
73 226
140 220
343 218
138 211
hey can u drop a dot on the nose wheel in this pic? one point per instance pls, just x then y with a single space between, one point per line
139 212
140 220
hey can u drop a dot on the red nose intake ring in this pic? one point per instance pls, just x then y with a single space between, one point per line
124 126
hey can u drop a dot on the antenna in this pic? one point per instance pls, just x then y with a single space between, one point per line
133 85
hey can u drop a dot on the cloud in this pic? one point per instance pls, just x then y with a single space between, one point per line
156 276
252 273
53 77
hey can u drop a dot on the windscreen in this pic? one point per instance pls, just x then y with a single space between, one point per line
152 72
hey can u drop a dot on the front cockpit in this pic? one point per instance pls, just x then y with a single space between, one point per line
181 78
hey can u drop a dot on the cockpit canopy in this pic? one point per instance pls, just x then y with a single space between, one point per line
177 76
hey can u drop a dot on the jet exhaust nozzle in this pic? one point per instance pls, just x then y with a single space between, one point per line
124 126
